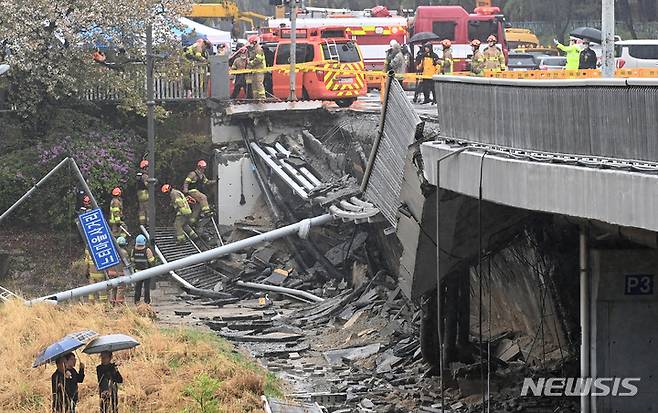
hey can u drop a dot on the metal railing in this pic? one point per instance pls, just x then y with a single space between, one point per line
191 84
611 118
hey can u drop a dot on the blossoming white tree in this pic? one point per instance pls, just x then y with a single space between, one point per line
49 45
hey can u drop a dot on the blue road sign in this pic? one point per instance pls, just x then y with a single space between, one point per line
99 240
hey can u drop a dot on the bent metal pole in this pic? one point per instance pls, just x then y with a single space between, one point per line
187 261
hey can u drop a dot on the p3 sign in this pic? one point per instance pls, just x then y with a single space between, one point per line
638 284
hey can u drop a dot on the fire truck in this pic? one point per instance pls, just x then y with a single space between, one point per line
371 29
331 64
457 25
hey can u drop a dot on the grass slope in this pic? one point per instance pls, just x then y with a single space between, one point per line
166 373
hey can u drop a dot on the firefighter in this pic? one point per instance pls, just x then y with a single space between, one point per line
118 294
572 51
240 83
198 51
195 186
116 212
94 276
257 63
446 60
477 60
427 67
183 213
494 59
143 192
142 258
395 60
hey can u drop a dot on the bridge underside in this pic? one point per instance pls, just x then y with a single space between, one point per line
618 197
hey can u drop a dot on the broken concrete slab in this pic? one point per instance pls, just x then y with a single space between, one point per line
288 406
351 354
249 337
507 350
353 319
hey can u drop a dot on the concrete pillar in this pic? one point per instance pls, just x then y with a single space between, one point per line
608 37
219 77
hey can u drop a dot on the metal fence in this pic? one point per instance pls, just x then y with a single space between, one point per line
401 126
194 84
612 118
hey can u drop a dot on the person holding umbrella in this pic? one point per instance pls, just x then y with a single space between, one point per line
61 402
108 378
108 372
73 378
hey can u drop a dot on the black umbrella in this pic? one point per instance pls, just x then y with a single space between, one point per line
423 37
588 33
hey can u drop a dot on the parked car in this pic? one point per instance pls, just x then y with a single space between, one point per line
522 61
631 54
552 62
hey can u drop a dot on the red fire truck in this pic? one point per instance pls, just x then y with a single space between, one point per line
371 32
456 24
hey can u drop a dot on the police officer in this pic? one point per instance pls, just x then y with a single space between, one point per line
142 258
183 220
195 186
143 192
494 58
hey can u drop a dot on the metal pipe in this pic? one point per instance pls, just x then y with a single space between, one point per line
282 290
162 258
293 50
150 125
187 261
294 173
268 160
439 310
378 139
310 176
608 37
216 155
34 188
584 319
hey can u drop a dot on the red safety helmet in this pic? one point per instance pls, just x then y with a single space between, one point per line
252 39
201 164
166 188
476 43
116 191
446 43
86 200
491 38
143 164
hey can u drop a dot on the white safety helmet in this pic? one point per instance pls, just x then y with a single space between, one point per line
393 43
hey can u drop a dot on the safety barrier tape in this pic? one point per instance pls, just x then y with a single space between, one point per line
570 74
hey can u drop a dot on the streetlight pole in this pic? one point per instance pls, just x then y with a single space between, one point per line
150 119
293 49
608 37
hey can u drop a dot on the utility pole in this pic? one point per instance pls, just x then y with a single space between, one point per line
293 49
150 119
608 37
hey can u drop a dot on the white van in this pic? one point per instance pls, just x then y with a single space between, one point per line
631 54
